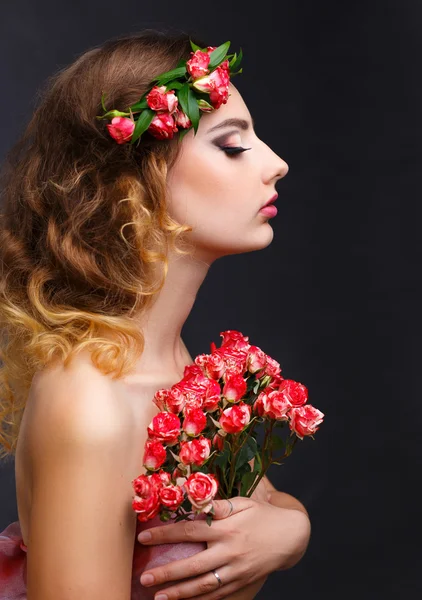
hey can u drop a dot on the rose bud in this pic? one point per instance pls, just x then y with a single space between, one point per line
195 421
121 129
154 455
257 359
195 451
234 388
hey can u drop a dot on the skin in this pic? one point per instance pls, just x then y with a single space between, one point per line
220 197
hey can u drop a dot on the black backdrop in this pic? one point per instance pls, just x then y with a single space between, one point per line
335 89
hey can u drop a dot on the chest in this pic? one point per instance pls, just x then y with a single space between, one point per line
136 399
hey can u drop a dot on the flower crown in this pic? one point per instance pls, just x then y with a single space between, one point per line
178 97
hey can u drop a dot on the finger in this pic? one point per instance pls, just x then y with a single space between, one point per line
184 531
206 585
192 566
227 507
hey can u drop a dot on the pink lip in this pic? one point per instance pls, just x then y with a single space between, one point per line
273 199
269 211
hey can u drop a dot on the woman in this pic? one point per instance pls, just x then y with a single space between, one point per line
103 248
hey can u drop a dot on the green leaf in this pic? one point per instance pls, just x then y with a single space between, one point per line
247 452
142 124
277 442
173 74
194 111
183 132
194 46
218 54
236 62
140 105
247 481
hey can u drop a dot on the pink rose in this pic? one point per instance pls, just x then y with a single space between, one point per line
235 418
154 454
195 421
216 84
172 400
195 451
121 129
295 393
162 126
160 478
146 501
212 364
256 360
197 65
304 420
182 119
273 405
201 489
272 368
171 496
165 427
161 99
235 388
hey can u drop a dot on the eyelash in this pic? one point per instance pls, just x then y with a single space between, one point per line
233 150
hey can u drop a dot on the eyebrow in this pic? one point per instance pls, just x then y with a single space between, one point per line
233 122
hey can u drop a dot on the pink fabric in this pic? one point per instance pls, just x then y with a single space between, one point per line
13 560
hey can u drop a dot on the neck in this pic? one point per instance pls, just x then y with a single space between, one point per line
164 352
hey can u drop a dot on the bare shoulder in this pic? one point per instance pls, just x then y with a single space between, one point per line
82 526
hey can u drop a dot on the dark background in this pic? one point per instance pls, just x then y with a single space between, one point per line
335 89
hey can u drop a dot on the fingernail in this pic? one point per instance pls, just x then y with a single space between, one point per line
145 536
161 597
147 579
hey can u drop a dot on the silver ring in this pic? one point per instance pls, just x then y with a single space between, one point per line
231 507
220 583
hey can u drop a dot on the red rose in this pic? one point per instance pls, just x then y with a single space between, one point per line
165 427
256 360
201 489
161 99
197 65
181 119
304 420
213 365
235 418
154 454
162 126
121 129
160 478
146 501
295 393
170 400
195 421
273 405
171 496
218 442
235 388
195 451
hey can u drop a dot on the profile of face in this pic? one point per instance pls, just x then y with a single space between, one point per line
220 194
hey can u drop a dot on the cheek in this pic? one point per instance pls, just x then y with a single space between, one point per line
206 190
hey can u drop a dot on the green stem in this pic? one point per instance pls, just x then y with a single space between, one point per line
265 466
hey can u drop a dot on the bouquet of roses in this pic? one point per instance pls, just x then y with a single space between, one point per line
202 441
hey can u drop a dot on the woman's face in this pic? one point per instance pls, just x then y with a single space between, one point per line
218 194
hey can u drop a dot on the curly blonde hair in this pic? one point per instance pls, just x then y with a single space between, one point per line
84 227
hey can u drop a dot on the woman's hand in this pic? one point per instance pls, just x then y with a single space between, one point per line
255 540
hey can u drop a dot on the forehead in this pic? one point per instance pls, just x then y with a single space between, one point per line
234 107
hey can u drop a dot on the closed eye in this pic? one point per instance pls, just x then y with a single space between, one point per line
233 150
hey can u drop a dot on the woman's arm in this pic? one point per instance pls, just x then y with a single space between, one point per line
82 526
